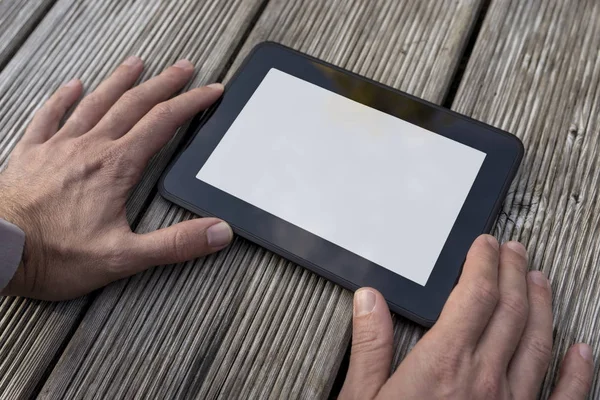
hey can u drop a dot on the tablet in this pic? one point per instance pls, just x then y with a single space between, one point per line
356 181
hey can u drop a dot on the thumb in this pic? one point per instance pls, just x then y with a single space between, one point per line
180 242
372 341
576 374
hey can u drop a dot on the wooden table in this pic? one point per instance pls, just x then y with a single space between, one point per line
246 323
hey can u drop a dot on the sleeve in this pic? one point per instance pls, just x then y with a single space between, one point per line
12 241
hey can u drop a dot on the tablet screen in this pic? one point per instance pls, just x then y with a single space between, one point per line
373 184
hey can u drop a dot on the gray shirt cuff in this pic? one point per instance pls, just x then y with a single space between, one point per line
12 241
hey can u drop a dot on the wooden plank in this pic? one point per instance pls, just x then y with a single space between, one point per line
535 72
17 18
246 323
87 40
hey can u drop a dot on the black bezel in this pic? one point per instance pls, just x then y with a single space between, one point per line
418 303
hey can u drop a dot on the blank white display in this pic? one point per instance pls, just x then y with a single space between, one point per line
373 184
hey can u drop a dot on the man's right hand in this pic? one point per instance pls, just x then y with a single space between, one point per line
493 339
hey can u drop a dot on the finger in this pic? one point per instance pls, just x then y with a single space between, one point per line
372 341
576 374
180 242
473 300
530 362
503 333
46 120
136 103
96 104
159 125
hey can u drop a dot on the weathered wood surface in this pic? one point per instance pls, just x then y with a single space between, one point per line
17 18
87 40
535 72
245 323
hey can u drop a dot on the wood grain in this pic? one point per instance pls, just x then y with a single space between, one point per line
535 72
17 18
246 323
87 40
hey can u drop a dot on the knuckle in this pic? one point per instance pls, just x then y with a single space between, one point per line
163 111
489 379
80 146
112 157
133 96
514 260
74 148
580 381
449 369
539 349
520 260
520 265
371 347
369 340
119 112
120 166
515 305
125 165
485 257
91 102
516 248
87 163
180 243
446 366
485 293
489 386
573 395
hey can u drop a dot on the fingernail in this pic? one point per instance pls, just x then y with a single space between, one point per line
218 86
517 248
493 241
539 279
131 61
184 64
72 83
364 302
585 351
219 235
